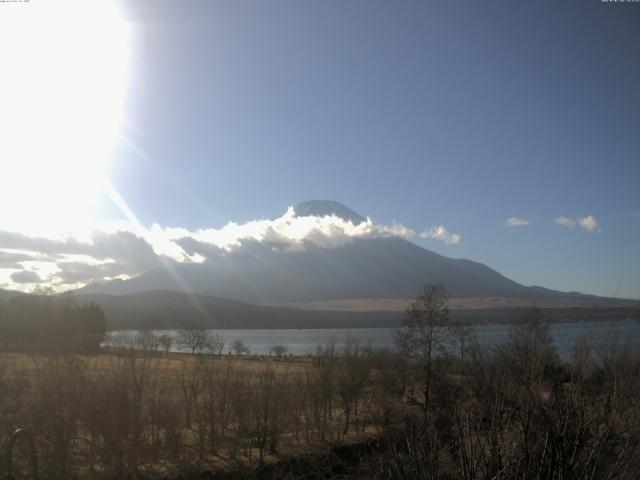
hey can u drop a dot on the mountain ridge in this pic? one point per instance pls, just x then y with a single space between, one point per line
321 208
364 267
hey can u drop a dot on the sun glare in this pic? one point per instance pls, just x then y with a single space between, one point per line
64 67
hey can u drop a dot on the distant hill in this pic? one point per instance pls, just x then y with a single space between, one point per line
175 310
7 294
171 309
463 303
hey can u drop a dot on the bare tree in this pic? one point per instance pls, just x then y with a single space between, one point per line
279 351
530 351
166 342
460 333
353 374
195 339
423 333
323 387
216 343
239 347
147 341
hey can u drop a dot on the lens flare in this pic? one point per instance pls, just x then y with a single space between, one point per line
61 101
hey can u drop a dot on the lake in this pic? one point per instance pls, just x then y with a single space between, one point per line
302 342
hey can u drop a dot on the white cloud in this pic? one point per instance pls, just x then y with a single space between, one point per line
288 231
565 222
441 233
589 223
123 249
516 222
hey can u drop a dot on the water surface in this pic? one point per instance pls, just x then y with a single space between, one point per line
306 341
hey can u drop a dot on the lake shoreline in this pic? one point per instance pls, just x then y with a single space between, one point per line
385 325
306 341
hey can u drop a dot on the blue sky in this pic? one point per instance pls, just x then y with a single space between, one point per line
460 114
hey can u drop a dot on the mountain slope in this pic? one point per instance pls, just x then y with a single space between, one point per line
376 267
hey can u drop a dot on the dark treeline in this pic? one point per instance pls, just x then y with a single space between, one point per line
47 323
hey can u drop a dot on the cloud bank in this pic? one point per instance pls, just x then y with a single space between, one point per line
441 233
590 224
123 250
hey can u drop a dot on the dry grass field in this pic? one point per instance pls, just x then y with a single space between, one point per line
512 411
114 413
